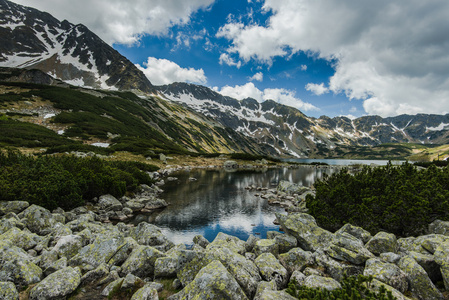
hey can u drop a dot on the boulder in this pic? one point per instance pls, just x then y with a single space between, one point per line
68 246
419 283
296 260
134 205
16 207
109 203
8 291
285 242
223 240
141 262
17 266
147 292
388 273
334 268
213 282
190 263
274 295
243 270
271 269
94 275
429 264
201 241
130 281
439 227
155 204
291 188
382 242
110 248
230 164
358 232
303 227
265 286
266 246
165 267
441 256
10 222
21 238
150 235
57 265
38 219
113 286
57 285
320 282
347 247
375 286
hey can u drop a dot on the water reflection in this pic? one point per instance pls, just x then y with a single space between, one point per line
218 202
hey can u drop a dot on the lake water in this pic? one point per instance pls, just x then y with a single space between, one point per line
218 202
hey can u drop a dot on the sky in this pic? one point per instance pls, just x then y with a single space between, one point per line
324 57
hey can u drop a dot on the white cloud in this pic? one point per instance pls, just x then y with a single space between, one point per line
226 59
317 89
394 55
303 67
122 21
163 71
257 77
249 90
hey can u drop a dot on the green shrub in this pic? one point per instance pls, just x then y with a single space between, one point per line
398 199
352 288
66 181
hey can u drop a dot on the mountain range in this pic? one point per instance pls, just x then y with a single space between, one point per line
73 55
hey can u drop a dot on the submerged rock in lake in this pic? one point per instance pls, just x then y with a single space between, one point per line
64 253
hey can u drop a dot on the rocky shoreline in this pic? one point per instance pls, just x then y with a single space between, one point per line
81 254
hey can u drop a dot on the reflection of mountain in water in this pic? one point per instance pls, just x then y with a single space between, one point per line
218 201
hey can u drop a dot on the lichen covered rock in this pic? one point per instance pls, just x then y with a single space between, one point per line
38 219
213 282
57 285
18 267
8 291
382 242
320 282
266 246
387 273
296 259
271 269
151 235
355 231
16 207
141 262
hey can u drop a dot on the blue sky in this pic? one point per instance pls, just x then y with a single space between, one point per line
325 57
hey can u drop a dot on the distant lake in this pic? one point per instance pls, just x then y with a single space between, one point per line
344 162
218 201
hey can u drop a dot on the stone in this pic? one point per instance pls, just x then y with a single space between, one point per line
21 238
271 269
285 242
94 275
265 286
375 286
9 223
419 283
147 292
230 164
228 241
201 241
48 258
56 266
17 266
130 281
334 268
388 273
291 188
439 227
274 295
155 204
165 267
390 257
111 287
298 278
251 242
8 291
346 247
57 285
150 235
296 260
190 263
320 282
16 207
141 262
382 242
213 282
441 256
429 264
303 227
38 219
109 203
266 246
110 248
135 205
244 271
68 246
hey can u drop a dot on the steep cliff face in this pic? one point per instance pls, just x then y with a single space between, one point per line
30 38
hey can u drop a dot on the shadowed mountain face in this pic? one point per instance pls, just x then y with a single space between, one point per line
30 38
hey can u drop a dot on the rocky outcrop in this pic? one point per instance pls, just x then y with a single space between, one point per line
80 252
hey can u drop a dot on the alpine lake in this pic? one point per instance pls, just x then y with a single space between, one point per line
206 202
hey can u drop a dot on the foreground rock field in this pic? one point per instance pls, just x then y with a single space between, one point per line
82 255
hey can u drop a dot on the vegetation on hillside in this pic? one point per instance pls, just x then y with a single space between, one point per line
67 181
398 199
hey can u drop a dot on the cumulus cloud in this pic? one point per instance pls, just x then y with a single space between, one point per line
303 67
122 21
257 77
163 71
317 89
249 90
227 60
393 55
